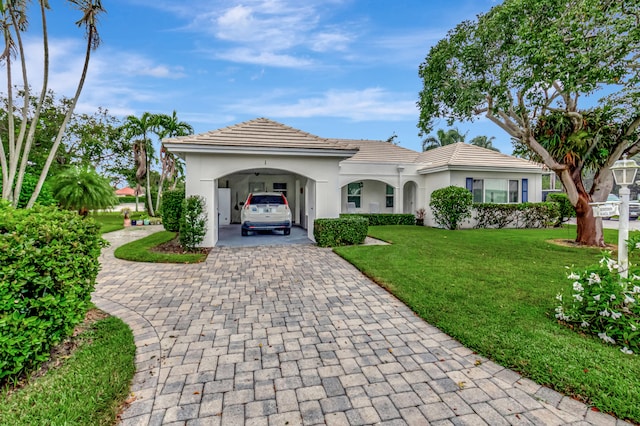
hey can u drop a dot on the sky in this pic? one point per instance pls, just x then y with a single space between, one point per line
333 68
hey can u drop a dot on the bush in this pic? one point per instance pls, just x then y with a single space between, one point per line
538 215
451 205
566 208
524 215
172 210
604 304
45 198
340 232
48 268
377 219
193 224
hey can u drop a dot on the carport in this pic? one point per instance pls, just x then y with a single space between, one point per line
224 165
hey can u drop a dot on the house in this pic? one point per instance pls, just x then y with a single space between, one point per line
125 192
324 177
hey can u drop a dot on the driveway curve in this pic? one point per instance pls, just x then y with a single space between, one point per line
295 335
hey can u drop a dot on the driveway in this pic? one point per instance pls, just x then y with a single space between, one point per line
230 236
292 335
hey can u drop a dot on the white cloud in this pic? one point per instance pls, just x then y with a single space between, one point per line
358 105
249 56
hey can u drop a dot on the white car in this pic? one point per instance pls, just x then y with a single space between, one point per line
266 211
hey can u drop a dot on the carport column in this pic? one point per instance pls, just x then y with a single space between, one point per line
398 194
327 202
208 189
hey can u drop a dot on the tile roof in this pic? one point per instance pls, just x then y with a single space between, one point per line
370 151
464 154
261 133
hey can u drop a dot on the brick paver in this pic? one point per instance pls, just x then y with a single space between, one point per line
295 335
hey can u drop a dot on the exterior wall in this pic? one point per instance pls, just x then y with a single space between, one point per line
205 172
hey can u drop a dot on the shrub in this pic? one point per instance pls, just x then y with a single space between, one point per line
566 208
451 205
48 268
538 215
377 219
193 224
340 232
524 215
45 198
172 210
604 304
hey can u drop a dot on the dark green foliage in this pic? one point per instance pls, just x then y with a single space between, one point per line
524 215
172 210
566 208
48 268
45 198
376 219
193 224
131 199
340 232
451 205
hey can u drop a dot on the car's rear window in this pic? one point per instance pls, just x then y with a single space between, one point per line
266 199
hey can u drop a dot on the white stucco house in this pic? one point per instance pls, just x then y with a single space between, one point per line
324 177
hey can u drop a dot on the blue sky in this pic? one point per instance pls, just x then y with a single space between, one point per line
334 68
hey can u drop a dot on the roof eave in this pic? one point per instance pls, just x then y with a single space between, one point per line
449 167
183 148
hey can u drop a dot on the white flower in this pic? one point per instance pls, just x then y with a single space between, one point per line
628 299
612 297
577 297
596 297
611 264
604 313
559 297
594 278
584 324
636 289
625 349
606 338
616 315
633 327
573 276
577 286
635 277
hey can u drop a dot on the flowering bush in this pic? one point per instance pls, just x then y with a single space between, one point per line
604 304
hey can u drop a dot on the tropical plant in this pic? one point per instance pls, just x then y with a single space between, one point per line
525 65
138 129
193 223
451 205
83 189
443 138
484 142
13 23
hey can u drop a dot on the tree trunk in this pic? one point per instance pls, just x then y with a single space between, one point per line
587 225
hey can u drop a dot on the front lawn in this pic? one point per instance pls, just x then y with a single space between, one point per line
113 221
494 291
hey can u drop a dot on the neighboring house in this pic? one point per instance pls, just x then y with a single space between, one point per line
125 192
325 177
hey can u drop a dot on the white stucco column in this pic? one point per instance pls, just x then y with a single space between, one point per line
398 193
208 189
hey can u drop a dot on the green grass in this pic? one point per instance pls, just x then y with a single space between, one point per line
139 250
494 291
86 390
113 221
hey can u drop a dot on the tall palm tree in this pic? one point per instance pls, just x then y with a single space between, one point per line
169 127
484 142
139 129
443 138
83 189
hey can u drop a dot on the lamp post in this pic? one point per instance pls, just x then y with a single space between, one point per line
624 173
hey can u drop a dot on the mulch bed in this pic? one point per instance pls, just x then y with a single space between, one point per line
174 247
574 244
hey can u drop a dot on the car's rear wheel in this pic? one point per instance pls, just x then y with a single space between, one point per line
245 232
287 231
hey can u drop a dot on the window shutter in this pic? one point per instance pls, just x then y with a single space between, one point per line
525 190
470 184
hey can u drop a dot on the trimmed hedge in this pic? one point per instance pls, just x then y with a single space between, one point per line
566 208
377 219
524 215
48 269
172 202
342 231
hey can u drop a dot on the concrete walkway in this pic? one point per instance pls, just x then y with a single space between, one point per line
295 335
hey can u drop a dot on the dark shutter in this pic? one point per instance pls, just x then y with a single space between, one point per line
470 184
525 190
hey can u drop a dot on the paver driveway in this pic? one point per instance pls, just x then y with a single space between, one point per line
295 335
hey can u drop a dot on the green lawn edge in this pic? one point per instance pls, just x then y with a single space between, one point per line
140 250
87 389
494 291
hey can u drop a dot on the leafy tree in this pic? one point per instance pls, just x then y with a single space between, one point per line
484 142
83 189
526 65
393 139
442 138
13 24
193 222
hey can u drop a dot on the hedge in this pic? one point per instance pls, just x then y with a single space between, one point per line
48 269
566 208
524 215
376 219
342 231
172 208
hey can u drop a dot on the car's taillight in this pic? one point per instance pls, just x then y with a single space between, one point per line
286 203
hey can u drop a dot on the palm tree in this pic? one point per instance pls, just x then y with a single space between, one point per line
139 128
443 138
169 127
83 189
484 142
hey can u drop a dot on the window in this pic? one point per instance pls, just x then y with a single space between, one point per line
280 187
389 199
354 192
495 190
